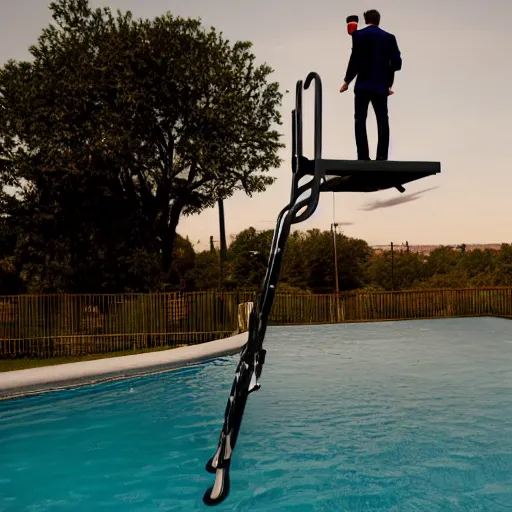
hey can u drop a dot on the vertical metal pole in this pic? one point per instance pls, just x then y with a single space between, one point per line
337 287
223 245
335 251
392 267
336 279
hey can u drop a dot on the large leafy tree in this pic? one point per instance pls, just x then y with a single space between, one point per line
119 126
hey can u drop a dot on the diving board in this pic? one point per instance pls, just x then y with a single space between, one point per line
367 175
326 176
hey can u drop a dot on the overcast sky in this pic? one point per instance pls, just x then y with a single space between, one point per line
452 103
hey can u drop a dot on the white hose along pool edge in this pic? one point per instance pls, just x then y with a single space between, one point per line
48 378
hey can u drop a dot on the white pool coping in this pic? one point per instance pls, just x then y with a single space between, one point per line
50 378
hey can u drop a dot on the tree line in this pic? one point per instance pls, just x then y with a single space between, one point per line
308 266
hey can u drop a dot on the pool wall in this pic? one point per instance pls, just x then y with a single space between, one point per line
49 378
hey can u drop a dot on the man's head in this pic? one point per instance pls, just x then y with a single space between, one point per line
372 17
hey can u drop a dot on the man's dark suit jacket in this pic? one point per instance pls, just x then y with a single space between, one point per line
375 58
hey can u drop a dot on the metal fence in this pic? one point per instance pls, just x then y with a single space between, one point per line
382 306
71 325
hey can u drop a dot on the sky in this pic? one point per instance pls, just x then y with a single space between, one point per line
451 104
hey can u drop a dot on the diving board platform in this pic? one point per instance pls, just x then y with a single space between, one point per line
367 175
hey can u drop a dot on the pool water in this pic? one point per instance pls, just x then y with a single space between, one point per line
401 416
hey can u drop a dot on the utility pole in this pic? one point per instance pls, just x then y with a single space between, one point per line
223 244
334 225
392 267
212 247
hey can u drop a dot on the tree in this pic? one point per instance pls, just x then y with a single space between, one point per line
118 127
294 274
443 260
317 251
10 279
481 263
503 274
312 255
183 262
248 257
444 269
402 271
353 257
206 272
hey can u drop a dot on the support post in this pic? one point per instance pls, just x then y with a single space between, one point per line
223 244
392 267
334 225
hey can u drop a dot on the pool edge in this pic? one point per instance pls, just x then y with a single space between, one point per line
19 383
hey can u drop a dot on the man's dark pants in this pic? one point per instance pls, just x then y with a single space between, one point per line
380 105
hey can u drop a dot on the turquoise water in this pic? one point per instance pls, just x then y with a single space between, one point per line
375 417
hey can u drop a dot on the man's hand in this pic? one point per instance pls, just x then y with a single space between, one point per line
391 92
344 87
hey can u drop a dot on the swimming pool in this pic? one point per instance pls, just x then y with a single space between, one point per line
395 416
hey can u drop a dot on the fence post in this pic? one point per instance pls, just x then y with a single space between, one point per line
244 311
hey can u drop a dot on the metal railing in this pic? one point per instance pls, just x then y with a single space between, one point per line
72 325
382 306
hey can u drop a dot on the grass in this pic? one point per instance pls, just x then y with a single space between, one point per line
7 365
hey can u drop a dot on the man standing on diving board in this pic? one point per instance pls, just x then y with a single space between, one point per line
375 58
